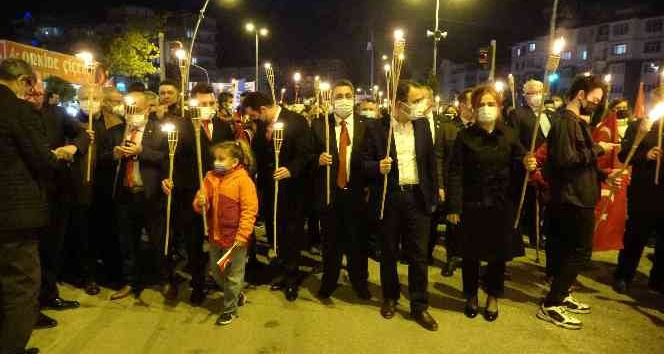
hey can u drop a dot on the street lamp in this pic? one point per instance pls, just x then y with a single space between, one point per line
296 78
251 28
384 57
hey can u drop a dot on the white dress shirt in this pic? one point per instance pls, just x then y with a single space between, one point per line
545 123
138 140
432 127
404 139
349 149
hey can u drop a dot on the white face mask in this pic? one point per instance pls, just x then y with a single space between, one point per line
208 112
417 110
118 110
487 114
534 101
343 107
369 114
135 119
85 107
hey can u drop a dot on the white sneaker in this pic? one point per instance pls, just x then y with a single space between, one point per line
558 316
575 306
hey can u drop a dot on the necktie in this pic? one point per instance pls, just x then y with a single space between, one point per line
129 172
206 128
344 142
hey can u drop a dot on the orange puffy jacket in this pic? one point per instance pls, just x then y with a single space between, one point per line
232 206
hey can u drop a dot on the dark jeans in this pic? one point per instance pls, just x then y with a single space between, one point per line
189 224
494 278
341 228
19 290
404 215
640 226
139 218
571 243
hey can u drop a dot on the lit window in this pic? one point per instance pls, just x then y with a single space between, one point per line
189 33
567 55
532 46
620 49
194 61
518 52
584 54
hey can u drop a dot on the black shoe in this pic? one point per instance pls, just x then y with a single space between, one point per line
388 309
323 295
620 286
471 308
291 293
490 316
425 320
44 322
224 319
363 293
60 304
277 286
31 351
92 288
197 297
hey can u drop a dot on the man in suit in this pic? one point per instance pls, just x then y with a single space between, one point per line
294 168
523 120
142 151
186 222
412 196
444 145
27 164
343 231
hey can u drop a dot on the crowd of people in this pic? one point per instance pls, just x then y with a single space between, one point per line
460 165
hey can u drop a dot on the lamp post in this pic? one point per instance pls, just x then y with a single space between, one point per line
251 28
437 35
296 78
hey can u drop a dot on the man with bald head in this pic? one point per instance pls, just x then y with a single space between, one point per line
141 151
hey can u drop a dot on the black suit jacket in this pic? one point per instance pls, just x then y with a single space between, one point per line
522 120
374 150
27 164
295 154
357 181
153 160
446 134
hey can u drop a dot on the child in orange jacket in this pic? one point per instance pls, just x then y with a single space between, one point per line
231 203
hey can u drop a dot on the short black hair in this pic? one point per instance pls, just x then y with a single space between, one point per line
344 82
616 102
136 87
202 88
586 84
369 100
256 100
223 96
169 82
404 88
12 68
464 96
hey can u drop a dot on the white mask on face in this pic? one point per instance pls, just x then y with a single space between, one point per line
534 101
369 114
135 119
343 107
118 110
417 110
208 112
85 107
487 114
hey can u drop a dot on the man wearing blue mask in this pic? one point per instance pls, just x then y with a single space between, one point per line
343 232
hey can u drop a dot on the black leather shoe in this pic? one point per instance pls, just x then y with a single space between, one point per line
291 293
32 351
490 316
388 309
44 322
197 297
276 286
170 291
620 286
471 309
425 320
60 304
92 288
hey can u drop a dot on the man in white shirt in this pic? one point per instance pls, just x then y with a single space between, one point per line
410 199
343 230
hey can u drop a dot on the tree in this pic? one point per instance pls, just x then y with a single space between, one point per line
62 87
131 53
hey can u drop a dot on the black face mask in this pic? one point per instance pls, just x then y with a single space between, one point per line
589 109
623 114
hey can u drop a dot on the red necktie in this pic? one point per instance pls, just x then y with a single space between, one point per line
344 142
129 172
206 128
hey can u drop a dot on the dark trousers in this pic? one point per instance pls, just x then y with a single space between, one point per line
51 248
433 231
640 226
342 234
189 225
19 290
80 246
571 241
141 235
290 230
103 228
451 241
494 279
404 215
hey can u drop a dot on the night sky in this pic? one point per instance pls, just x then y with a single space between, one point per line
303 29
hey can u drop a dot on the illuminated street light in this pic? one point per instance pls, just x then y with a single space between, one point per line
297 77
263 32
250 27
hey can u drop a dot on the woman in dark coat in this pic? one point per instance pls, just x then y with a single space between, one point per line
483 174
